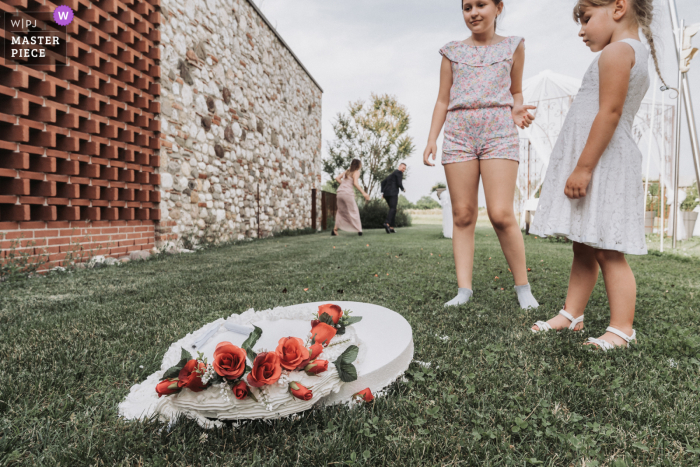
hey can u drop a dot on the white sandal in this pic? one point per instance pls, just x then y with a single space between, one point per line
605 345
545 326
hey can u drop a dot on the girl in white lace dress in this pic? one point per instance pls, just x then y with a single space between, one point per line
593 192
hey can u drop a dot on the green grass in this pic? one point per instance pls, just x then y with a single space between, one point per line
495 394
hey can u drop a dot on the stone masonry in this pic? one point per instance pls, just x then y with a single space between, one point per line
240 113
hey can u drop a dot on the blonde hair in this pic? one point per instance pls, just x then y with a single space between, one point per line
643 11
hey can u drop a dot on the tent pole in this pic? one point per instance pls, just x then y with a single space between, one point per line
651 138
678 34
677 152
662 176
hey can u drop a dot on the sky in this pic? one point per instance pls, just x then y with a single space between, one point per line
361 47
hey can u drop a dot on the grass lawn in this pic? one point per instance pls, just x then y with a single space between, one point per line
494 394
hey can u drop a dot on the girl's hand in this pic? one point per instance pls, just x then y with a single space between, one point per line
522 117
577 184
366 197
431 149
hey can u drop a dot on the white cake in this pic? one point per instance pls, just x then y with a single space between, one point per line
383 356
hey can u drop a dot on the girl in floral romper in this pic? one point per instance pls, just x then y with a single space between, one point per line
480 103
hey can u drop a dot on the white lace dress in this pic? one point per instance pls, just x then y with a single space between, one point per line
610 216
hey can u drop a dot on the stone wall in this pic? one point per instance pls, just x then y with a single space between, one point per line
239 113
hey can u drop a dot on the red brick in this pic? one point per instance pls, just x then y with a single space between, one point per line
70 213
58 257
59 241
15 160
44 213
118 251
68 190
14 187
43 164
45 233
58 225
46 189
17 213
68 167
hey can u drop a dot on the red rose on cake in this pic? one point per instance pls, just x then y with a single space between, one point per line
190 376
316 367
334 311
266 370
167 387
240 390
300 392
229 361
366 395
315 350
292 352
322 333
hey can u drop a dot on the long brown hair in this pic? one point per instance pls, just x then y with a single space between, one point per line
355 165
643 11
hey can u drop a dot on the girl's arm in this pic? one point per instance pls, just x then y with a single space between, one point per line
615 65
521 116
356 182
440 112
340 177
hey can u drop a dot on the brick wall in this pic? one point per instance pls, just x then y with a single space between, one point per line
79 144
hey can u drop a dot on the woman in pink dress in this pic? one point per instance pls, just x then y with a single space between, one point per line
348 215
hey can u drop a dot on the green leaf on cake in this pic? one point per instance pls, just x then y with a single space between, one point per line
326 318
250 343
171 373
350 320
346 370
174 371
186 356
349 355
340 330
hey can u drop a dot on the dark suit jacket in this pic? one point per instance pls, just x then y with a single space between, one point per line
391 184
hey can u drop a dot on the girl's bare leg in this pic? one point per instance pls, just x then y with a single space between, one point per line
463 184
583 278
499 177
621 288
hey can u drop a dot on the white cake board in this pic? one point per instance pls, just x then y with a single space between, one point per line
386 351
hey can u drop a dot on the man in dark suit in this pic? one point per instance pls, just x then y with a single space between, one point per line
390 191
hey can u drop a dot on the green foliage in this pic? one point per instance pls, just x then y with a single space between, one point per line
18 263
373 214
404 203
426 202
490 392
438 186
692 199
375 133
331 186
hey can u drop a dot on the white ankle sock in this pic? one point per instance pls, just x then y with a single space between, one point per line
525 297
463 296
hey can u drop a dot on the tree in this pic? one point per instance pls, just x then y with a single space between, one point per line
426 202
375 133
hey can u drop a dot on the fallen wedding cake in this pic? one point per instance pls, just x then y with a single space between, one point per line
266 364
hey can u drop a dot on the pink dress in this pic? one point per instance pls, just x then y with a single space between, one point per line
348 215
479 119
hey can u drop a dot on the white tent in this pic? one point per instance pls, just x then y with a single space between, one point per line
553 94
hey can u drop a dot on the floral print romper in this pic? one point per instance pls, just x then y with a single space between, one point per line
479 119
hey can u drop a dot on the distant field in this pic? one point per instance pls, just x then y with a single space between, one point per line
434 217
